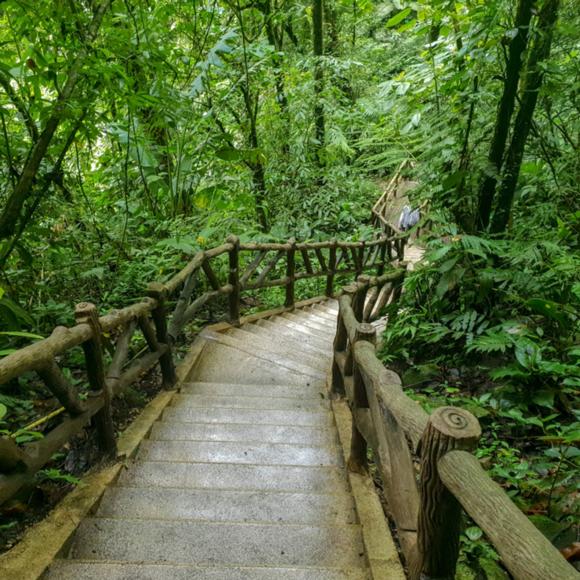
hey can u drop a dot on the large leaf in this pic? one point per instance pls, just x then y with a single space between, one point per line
547 308
233 154
398 18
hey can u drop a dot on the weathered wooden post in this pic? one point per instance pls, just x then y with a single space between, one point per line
438 530
358 303
360 259
158 292
350 291
331 269
382 256
234 280
290 273
340 342
358 461
86 313
61 388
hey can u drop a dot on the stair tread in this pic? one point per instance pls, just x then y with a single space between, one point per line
314 417
295 332
245 390
317 318
298 341
270 353
213 543
181 431
240 401
227 505
226 364
281 345
324 330
91 570
240 452
327 479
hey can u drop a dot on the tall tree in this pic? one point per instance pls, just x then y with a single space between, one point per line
23 189
539 53
318 51
517 47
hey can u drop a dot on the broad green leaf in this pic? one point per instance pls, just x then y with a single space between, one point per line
398 18
544 398
547 308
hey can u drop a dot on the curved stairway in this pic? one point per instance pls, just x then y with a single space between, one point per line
243 476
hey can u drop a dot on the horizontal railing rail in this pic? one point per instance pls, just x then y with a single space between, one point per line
113 362
426 506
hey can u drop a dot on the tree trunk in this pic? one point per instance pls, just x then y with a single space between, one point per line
539 52
11 214
318 50
505 111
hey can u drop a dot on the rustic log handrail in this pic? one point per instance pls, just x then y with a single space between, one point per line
213 274
426 507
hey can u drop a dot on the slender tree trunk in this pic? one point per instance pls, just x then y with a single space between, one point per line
517 48
23 189
331 22
318 51
539 52
275 36
52 177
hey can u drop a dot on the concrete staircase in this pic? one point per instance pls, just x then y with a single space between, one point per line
243 476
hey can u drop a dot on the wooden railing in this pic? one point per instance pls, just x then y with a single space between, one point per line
426 506
113 362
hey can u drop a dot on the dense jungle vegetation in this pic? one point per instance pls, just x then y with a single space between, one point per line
133 133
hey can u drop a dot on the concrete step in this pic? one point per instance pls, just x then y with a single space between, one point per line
227 506
239 452
240 402
235 477
317 318
323 313
216 544
301 328
310 417
224 364
174 431
283 327
273 355
90 570
325 330
270 391
288 338
283 347
329 305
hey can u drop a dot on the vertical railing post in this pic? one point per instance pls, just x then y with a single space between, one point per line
361 259
358 303
290 273
358 461
331 269
382 256
439 524
234 280
350 291
340 343
158 292
86 313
